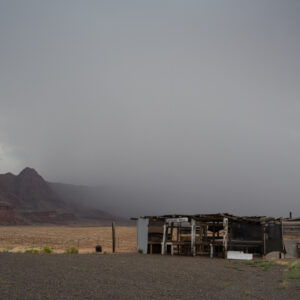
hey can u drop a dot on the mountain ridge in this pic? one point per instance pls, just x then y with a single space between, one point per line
27 198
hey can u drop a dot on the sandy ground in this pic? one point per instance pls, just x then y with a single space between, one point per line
20 238
137 276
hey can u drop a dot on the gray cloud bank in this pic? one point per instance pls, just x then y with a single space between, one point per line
191 106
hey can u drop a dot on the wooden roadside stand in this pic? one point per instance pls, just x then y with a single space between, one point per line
218 235
113 227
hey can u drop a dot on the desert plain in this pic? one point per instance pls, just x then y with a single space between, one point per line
59 238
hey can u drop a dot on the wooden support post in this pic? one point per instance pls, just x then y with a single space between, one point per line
163 244
282 254
179 239
172 228
193 237
200 238
113 237
225 236
265 240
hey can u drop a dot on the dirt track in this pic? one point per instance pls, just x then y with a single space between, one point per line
136 276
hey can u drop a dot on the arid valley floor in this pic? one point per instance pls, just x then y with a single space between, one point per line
58 238
127 274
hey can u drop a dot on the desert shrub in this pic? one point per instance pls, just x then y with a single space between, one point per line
140 251
47 250
32 251
72 250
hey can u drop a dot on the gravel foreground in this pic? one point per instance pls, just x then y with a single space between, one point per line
137 276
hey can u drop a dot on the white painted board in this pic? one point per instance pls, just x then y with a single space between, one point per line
177 220
239 255
142 235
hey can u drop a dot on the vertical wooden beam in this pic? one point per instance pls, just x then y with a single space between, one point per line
282 255
179 238
265 240
225 236
172 227
163 244
193 237
200 237
113 237
211 250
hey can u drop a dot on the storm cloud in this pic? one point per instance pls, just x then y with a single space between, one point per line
193 106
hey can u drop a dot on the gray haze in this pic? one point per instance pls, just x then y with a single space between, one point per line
190 106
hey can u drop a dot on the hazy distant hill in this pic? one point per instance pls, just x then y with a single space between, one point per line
29 191
27 198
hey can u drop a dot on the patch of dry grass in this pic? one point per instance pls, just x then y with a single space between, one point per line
293 271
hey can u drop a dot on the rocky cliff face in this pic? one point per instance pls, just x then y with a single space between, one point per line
8 215
28 191
27 198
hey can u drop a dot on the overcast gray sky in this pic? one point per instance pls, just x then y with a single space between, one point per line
197 100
